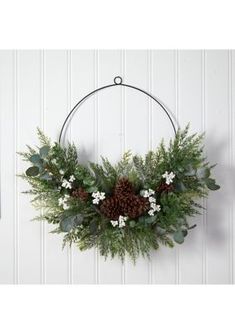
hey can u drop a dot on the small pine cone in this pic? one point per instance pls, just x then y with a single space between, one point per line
123 188
134 206
80 193
164 188
110 208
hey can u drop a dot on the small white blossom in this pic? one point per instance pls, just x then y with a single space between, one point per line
144 193
151 192
151 212
66 184
158 208
155 207
169 177
95 201
72 178
147 193
65 206
61 171
120 222
98 196
152 199
54 161
114 222
63 202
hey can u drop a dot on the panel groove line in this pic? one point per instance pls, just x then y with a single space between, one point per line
16 200
231 134
42 223
177 251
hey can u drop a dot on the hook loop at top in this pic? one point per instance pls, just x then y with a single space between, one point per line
118 80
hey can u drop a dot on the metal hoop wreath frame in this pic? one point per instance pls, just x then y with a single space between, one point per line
117 82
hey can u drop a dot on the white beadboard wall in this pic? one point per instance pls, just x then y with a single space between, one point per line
38 88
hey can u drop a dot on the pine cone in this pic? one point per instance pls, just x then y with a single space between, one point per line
164 188
123 188
134 206
80 193
110 208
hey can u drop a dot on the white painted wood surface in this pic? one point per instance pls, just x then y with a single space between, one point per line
38 88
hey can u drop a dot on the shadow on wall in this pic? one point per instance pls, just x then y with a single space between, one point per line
219 203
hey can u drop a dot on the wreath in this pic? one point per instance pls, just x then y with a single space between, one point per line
129 208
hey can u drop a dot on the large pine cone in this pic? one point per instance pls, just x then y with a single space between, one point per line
134 206
110 208
80 193
123 188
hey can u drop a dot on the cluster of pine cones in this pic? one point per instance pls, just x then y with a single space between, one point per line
124 202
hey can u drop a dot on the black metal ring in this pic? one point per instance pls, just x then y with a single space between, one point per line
118 80
115 85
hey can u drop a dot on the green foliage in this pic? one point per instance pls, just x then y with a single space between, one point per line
81 221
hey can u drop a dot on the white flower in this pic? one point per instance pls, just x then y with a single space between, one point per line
151 212
147 193
63 202
144 193
169 177
65 206
120 222
151 192
54 161
95 201
102 196
61 171
98 196
152 199
66 184
155 207
114 222
72 178
158 208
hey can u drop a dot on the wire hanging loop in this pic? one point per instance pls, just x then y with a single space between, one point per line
117 82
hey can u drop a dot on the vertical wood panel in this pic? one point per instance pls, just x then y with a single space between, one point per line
163 86
82 129
28 120
110 145
190 110
137 136
217 147
56 104
7 164
232 101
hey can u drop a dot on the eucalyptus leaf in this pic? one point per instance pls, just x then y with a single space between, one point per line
180 187
93 226
32 171
190 171
160 230
178 237
44 151
67 224
132 223
212 185
46 177
150 220
88 182
203 173
35 158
